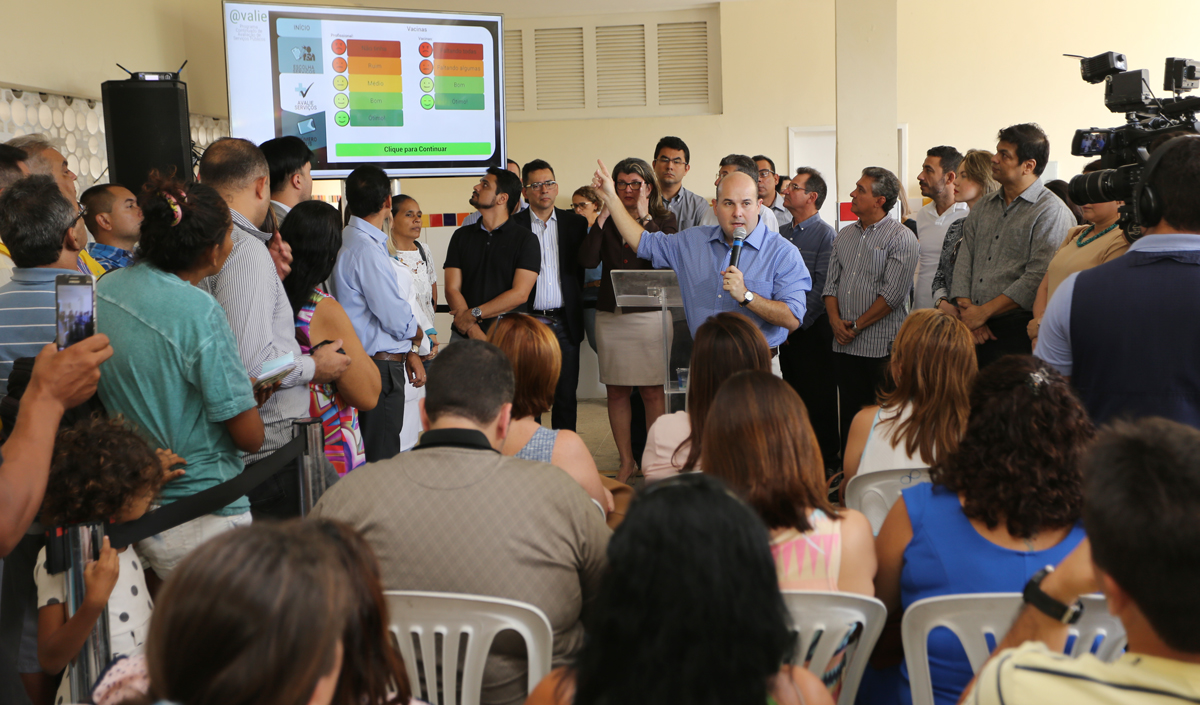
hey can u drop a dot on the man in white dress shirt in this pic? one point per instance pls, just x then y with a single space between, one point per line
937 177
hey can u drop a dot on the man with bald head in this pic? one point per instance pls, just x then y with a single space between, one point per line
770 283
250 290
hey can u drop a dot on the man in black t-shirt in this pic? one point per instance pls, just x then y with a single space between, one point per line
491 265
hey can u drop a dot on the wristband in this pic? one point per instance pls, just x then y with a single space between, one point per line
1052 608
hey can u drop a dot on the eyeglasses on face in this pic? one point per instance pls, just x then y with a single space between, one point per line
796 187
673 162
630 185
82 212
765 173
581 205
538 185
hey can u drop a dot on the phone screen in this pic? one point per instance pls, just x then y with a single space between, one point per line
75 296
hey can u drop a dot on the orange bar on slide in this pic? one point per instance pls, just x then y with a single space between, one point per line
455 67
384 66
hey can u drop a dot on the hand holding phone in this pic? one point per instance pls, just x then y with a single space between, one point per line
75 308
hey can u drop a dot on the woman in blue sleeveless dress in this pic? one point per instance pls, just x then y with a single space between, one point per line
1003 506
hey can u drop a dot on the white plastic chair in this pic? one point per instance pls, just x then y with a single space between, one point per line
874 493
973 617
422 616
828 618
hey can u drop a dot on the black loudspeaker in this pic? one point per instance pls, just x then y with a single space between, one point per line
146 125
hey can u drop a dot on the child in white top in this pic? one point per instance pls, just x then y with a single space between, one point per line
101 471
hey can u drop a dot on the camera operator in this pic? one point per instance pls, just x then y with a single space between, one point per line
1126 332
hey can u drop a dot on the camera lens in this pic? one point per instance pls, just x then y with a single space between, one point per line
1104 185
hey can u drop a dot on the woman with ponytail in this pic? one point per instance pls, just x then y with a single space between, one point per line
175 373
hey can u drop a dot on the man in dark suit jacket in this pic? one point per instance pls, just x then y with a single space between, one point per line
558 293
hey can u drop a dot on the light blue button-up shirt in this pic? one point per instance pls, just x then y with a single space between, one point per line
364 283
771 266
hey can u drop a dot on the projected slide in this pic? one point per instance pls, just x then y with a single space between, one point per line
415 93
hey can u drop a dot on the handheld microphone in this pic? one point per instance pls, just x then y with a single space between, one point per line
739 237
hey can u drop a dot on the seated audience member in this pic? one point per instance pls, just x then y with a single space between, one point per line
102 472
249 289
1006 503
373 670
620 329
114 220
533 349
290 163
372 667
37 224
689 610
416 274
455 515
257 615
176 374
1086 246
1139 480
759 441
974 181
725 344
314 231
364 282
586 202
925 413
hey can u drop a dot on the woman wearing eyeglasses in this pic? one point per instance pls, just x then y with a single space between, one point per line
628 338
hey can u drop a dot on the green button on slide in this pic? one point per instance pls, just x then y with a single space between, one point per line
411 149
460 84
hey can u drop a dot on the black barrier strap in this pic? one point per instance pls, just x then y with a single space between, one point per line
206 501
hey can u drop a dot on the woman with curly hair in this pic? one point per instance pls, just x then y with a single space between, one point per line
101 471
933 365
1004 505
175 372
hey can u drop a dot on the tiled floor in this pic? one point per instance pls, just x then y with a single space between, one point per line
592 426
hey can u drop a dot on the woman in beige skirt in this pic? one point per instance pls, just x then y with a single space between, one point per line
629 341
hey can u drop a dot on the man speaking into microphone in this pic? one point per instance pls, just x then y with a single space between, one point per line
767 283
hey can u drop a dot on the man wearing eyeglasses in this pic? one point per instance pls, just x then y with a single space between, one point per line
558 293
807 359
768 189
671 164
728 165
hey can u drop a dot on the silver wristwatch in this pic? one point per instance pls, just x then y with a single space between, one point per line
477 313
749 298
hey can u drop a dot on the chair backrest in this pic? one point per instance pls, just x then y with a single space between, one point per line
874 493
826 619
973 617
464 622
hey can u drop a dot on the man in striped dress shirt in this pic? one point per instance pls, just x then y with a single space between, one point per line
249 288
866 292
37 223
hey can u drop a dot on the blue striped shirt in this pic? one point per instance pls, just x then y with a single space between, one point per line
26 316
771 266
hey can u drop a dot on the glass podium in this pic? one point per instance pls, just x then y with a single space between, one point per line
657 288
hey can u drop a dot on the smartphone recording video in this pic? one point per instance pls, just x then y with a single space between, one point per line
75 301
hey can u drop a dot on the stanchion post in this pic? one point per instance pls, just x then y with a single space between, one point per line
311 468
83 546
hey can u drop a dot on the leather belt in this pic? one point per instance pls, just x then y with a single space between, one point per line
549 312
390 357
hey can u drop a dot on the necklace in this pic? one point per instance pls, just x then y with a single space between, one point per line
1081 242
